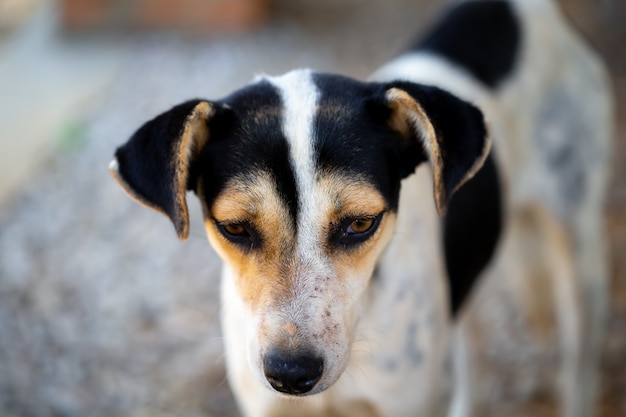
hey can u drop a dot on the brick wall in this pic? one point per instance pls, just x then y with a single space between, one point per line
203 16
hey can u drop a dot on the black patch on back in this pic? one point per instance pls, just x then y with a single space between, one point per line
480 36
245 137
351 134
471 231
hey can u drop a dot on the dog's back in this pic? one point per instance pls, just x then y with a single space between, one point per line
547 99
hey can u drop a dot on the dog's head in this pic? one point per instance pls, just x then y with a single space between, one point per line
299 177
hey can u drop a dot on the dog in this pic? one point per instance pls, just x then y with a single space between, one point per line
355 217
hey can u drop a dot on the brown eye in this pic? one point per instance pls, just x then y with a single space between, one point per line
241 234
235 229
352 231
360 226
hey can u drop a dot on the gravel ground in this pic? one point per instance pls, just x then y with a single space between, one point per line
104 313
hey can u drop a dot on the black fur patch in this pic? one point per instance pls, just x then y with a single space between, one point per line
480 36
351 134
246 136
471 231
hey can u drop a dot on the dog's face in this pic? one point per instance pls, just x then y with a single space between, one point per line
300 214
299 177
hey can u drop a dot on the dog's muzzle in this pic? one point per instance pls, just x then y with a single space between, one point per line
293 375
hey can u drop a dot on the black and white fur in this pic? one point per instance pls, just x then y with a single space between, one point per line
345 256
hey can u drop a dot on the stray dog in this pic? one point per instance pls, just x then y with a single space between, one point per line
345 257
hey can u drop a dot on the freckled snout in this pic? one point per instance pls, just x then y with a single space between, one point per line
292 374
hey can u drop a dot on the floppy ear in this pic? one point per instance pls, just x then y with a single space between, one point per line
438 127
154 166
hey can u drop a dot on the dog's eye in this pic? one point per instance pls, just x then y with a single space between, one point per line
354 230
241 234
359 226
235 229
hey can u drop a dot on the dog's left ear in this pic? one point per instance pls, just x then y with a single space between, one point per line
154 165
437 126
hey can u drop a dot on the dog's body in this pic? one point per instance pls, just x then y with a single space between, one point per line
336 283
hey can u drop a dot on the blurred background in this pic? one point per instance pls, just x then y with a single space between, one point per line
103 312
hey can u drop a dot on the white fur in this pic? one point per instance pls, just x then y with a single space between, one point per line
299 98
433 70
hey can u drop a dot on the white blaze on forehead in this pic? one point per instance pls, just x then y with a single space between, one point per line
299 96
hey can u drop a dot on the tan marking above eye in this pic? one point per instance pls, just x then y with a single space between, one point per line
360 225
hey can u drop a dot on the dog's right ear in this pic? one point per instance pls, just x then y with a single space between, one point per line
154 166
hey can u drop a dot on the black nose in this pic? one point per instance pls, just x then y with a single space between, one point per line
292 375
